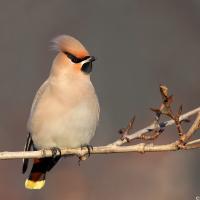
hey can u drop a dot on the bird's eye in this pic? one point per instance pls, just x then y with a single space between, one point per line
75 60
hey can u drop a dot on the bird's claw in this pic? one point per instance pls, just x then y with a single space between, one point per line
89 148
84 157
54 151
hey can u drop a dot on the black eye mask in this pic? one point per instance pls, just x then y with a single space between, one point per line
74 59
87 66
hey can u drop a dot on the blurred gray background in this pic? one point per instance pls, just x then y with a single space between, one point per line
139 44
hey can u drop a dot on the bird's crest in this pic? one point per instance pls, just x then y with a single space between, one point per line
66 43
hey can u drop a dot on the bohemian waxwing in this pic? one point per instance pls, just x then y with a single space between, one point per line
65 110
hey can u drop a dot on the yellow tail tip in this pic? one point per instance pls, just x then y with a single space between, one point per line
34 185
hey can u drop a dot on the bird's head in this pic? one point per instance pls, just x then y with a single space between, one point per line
72 58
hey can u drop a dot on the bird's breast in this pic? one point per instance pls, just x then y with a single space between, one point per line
59 123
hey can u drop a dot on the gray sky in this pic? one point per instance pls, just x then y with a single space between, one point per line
139 44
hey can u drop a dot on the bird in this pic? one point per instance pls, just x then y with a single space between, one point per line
65 110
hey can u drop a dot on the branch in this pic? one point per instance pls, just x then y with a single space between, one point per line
140 148
182 143
114 147
138 134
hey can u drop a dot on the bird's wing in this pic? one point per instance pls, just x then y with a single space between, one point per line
29 141
38 95
27 147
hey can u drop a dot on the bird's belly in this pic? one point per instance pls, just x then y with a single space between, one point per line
71 129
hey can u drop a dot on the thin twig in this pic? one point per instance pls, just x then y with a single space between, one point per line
195 126
137 134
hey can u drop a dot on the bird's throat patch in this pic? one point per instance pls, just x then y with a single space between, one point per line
87 67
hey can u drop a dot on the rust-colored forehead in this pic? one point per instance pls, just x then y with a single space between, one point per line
66 43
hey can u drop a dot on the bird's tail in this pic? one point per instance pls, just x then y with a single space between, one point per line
36 178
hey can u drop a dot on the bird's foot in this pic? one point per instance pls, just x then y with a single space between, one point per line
89 148
86 156
51 161
56 152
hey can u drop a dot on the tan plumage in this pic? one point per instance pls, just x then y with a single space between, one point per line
65 110
70 44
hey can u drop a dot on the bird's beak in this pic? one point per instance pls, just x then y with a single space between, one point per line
92 59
